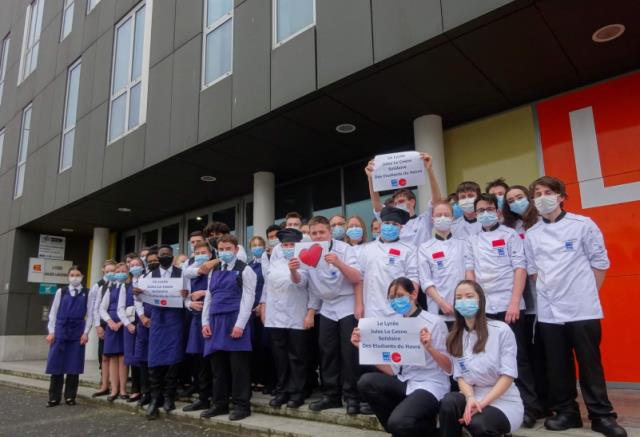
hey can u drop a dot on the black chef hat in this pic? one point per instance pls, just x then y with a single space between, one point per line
393 214
289 235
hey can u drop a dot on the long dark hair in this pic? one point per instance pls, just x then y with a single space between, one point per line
403 282
530 216
454 340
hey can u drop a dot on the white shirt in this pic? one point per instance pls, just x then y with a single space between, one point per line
122 306
329 285
461 228
96 301
104 305
563 255
249 281
441 265
418 229
483 370
494 256
286 303
55 306
380 263
430 377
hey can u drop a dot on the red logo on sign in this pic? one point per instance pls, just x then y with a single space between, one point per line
437 255
396 357
498 243
163 302
402 182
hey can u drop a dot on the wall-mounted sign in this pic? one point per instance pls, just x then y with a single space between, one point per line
46 288
48 270
51 247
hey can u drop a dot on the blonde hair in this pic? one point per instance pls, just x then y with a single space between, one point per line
364 231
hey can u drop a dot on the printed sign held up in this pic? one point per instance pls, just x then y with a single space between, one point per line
311 253
391 341
161 292
398 170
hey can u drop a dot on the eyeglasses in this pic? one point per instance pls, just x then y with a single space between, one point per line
490 209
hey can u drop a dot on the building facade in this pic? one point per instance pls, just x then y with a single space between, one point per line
125 123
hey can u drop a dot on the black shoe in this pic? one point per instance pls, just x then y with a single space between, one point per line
608 426
169 405
365 409
70 401
352 408
528 421
197 405
144 400
563 421
124 397
295 403
53 404
112 398
153 411
238 414
214 411
100 393
279 401
325 403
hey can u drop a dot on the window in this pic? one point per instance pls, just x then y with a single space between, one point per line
218 41
4 55
31 39
128 103
1 144
69 122
291 18
67 19
91 4
22 151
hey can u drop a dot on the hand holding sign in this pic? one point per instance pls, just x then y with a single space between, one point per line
311 253
399 170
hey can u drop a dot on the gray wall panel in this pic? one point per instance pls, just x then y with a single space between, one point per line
107 16
159 113
215 110
457 12
91 23
133 152
73 45
102 72
34 185
185 95
95 147
7 109
63 181
343 38
47 55
112 165
10 148
188 21
293 69
251 61
124 6
51 168
87 73
162 27
6 199
78 169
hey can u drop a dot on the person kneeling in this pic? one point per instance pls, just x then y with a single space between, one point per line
405 399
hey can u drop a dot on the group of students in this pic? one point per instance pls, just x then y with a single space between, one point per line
506 283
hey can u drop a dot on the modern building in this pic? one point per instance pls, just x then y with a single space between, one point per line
130 122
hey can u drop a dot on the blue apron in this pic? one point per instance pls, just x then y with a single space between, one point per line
113 340
195 342
66 354
257 269
223 313
260 336
129 338
166 335
141 354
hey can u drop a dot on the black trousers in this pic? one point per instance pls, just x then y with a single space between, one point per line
202 368
135 379
561 342
262 369
338 359
537 358
313 366
144 378
399 414
491 422
290 353
525 381
70 387
163 381
234 367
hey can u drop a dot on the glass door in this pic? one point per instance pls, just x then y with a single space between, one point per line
129 243
231 214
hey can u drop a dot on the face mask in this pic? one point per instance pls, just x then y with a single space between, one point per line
401 305
153 265
457 211
338 232
467 205
442 224
110 276
306 238
136 271
519 206
257 251
144 260
500 201
375 235
165 261
546 204
288 253
355 233
121 277
226 256
403 206
389 232
75 281
467 307
200 259
488 219
274 242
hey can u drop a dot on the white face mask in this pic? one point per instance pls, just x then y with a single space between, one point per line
403 206
443 223
75 281
274 242
467 204
546 204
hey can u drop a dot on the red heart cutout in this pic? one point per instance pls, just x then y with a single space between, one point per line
311 256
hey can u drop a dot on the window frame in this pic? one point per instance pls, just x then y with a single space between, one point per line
4 60
27 44
274 22
23 151
91 8
66 129
66 4
144 74
206 30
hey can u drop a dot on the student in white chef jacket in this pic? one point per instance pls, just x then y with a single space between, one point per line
405 398
441 263
567 255
462 227
495 259
292 220
95 296
483 353
384 260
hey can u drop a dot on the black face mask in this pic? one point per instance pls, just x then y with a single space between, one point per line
165 261
153 265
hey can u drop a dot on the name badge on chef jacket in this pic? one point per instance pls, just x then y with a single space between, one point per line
394 256
569 245
500 247
438 259
462 362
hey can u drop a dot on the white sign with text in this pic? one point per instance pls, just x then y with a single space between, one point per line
161 292
391 341
398 170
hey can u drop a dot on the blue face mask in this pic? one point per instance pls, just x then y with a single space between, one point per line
288 253
500 201
375 235
519 206
467 307
355 233
120 277
226 256
200 259
257 251
487 219
401 305
111 276
389 232
136 271
338 232
457 211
